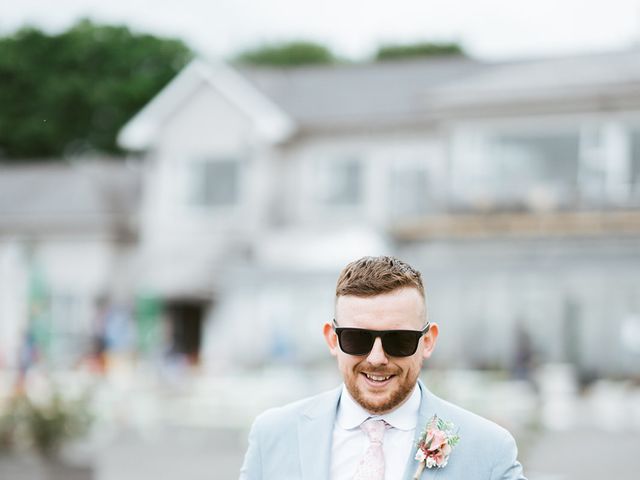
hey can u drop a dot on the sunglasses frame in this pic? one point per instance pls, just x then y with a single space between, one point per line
378 333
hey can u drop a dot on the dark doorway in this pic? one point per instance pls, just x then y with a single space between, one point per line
185 328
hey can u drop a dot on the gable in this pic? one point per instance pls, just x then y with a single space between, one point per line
269 122
206 121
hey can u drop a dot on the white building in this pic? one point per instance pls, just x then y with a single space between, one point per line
514 187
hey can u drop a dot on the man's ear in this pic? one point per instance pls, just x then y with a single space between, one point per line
429 340
331 338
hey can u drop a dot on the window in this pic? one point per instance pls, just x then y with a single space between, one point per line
634 168
606 163
592 164
214 182
409 190
340 182
522 162
537 168
593 161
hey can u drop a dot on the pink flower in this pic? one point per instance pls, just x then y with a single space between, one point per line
435 439
442 456
435 445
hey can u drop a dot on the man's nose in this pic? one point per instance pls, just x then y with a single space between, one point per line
377 356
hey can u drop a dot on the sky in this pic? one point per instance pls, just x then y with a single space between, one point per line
489 29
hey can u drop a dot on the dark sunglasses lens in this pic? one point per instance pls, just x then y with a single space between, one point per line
356 342
400 344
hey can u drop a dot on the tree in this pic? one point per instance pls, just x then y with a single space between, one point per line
290 54
423 49
73 91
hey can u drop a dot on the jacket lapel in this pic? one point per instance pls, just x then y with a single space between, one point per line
315 432
427 411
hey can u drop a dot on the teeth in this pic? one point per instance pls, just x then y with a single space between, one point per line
377 378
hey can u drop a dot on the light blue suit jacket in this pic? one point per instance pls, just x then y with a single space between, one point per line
294 443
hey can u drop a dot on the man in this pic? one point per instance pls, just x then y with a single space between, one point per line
369 428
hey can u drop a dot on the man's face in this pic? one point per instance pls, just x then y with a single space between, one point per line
401 309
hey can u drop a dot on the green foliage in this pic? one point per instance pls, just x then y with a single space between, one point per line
424 49
44 427
73 91
292 54
7 432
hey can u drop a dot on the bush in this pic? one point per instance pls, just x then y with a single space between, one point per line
43 426
291 54
426 49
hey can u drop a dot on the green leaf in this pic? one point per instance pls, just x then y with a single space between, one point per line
417 50
290 54
73 91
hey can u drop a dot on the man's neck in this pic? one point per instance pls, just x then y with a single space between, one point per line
403 416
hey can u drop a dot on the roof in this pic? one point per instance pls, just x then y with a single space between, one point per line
375 92
589 78
285 100
415 90
90 197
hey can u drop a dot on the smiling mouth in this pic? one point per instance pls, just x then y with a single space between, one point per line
377 379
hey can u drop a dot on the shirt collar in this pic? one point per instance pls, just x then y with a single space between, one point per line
351 414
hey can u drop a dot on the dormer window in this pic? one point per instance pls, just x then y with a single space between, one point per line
214 182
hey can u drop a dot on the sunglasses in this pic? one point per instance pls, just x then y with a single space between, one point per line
397 343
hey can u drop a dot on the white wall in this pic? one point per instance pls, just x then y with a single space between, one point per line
207 125
177 233
379 155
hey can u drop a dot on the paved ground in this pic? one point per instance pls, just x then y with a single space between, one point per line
194 454
217 455
202 436
584 455
173 454
176 454
33 468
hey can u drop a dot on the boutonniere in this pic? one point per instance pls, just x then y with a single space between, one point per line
435 445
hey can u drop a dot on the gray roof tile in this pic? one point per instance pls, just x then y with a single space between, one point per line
355 93
393 91
89 197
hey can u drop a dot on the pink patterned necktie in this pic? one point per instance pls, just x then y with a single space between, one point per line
371 465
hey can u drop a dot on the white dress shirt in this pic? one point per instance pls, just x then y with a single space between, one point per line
350 442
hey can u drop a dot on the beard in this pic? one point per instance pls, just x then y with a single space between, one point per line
389 400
